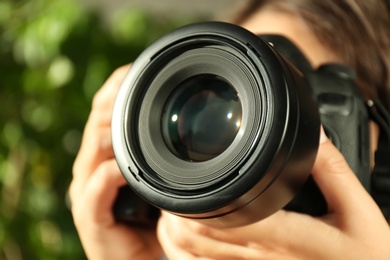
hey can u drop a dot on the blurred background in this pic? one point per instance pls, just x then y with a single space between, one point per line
54 55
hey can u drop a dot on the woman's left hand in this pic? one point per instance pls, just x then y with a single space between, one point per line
354 227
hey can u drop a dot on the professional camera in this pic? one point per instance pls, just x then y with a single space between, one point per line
217 124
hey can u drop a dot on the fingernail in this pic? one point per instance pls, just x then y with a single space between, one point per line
323 136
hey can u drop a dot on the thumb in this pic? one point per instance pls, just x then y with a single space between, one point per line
339 185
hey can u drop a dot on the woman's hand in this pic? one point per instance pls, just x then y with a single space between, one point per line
96 179
354 227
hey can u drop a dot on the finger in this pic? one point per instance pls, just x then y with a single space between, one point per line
170 250
204 230
95 148
286 231
102 106
105 97
177 253
339 185
96 144
177 235
94 204
281 230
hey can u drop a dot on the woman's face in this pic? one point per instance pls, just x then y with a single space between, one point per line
271 21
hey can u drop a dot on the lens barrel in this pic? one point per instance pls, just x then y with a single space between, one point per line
212 123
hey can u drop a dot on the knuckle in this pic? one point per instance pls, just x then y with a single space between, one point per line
101 138
120 72
72 192
104 171
80 219
103 95
99 99
101 178
76 168
337 164
184 242
106 175
201 229
177 233
94 149
98 140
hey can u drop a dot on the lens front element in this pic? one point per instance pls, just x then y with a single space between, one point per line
201 118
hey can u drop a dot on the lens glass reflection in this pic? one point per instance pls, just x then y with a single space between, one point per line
201 118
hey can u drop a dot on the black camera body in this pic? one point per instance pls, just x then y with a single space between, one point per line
217 124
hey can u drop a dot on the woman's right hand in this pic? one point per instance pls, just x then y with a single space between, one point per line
95 184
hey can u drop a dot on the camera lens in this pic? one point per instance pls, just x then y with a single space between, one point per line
201 118
212 123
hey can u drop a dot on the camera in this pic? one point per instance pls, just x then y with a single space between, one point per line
217 124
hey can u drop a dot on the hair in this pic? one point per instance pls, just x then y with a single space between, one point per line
357 31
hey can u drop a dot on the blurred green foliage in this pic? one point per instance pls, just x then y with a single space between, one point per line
54 55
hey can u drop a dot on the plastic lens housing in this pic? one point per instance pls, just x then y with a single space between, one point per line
211 123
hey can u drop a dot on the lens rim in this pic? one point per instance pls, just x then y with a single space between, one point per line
222 61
